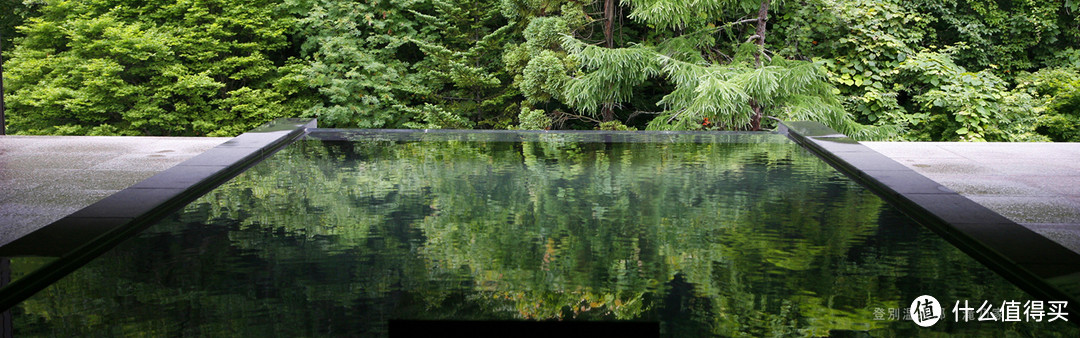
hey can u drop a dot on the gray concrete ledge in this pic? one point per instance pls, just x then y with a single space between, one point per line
44 178
88 232
1032 261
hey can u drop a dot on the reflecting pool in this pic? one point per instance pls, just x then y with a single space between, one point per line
707 234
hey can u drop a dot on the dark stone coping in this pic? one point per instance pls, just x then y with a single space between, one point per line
1045 269
585 136
86 234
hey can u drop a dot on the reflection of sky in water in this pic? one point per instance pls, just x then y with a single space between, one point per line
336 238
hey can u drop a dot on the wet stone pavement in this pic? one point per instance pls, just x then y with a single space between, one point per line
44 178
1034 184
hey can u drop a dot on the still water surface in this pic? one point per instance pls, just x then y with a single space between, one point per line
714 234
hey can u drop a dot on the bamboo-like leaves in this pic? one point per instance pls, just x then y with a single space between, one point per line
802 78
723 100
706 93
828 111
613 73
664 14
761 84
684 73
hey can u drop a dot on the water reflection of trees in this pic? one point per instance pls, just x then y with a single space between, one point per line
334 237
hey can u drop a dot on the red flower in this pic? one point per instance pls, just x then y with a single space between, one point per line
706 123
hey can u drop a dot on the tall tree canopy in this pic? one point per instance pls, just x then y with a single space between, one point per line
199 67
407 63
945 70
721 73
918 70
12 13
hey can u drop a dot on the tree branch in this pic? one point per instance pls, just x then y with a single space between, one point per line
717 51
562 117
639 112
675 115
743 21
455 98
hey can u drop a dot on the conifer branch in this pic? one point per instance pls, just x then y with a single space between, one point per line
455 98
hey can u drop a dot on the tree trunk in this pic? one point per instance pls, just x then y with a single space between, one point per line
3 123
609 22
607 110
763 17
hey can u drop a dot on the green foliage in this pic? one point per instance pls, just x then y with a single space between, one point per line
540 67
867 48
153 68
206 68
353 48
709 92
406 63
544 32
1015 35
463 63
967 106
1057 93
543 78
864 41
533 119
614 126
673 14
12 14
524 9
612 74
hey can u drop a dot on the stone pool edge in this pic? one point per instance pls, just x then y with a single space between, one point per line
86 234
1036 264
